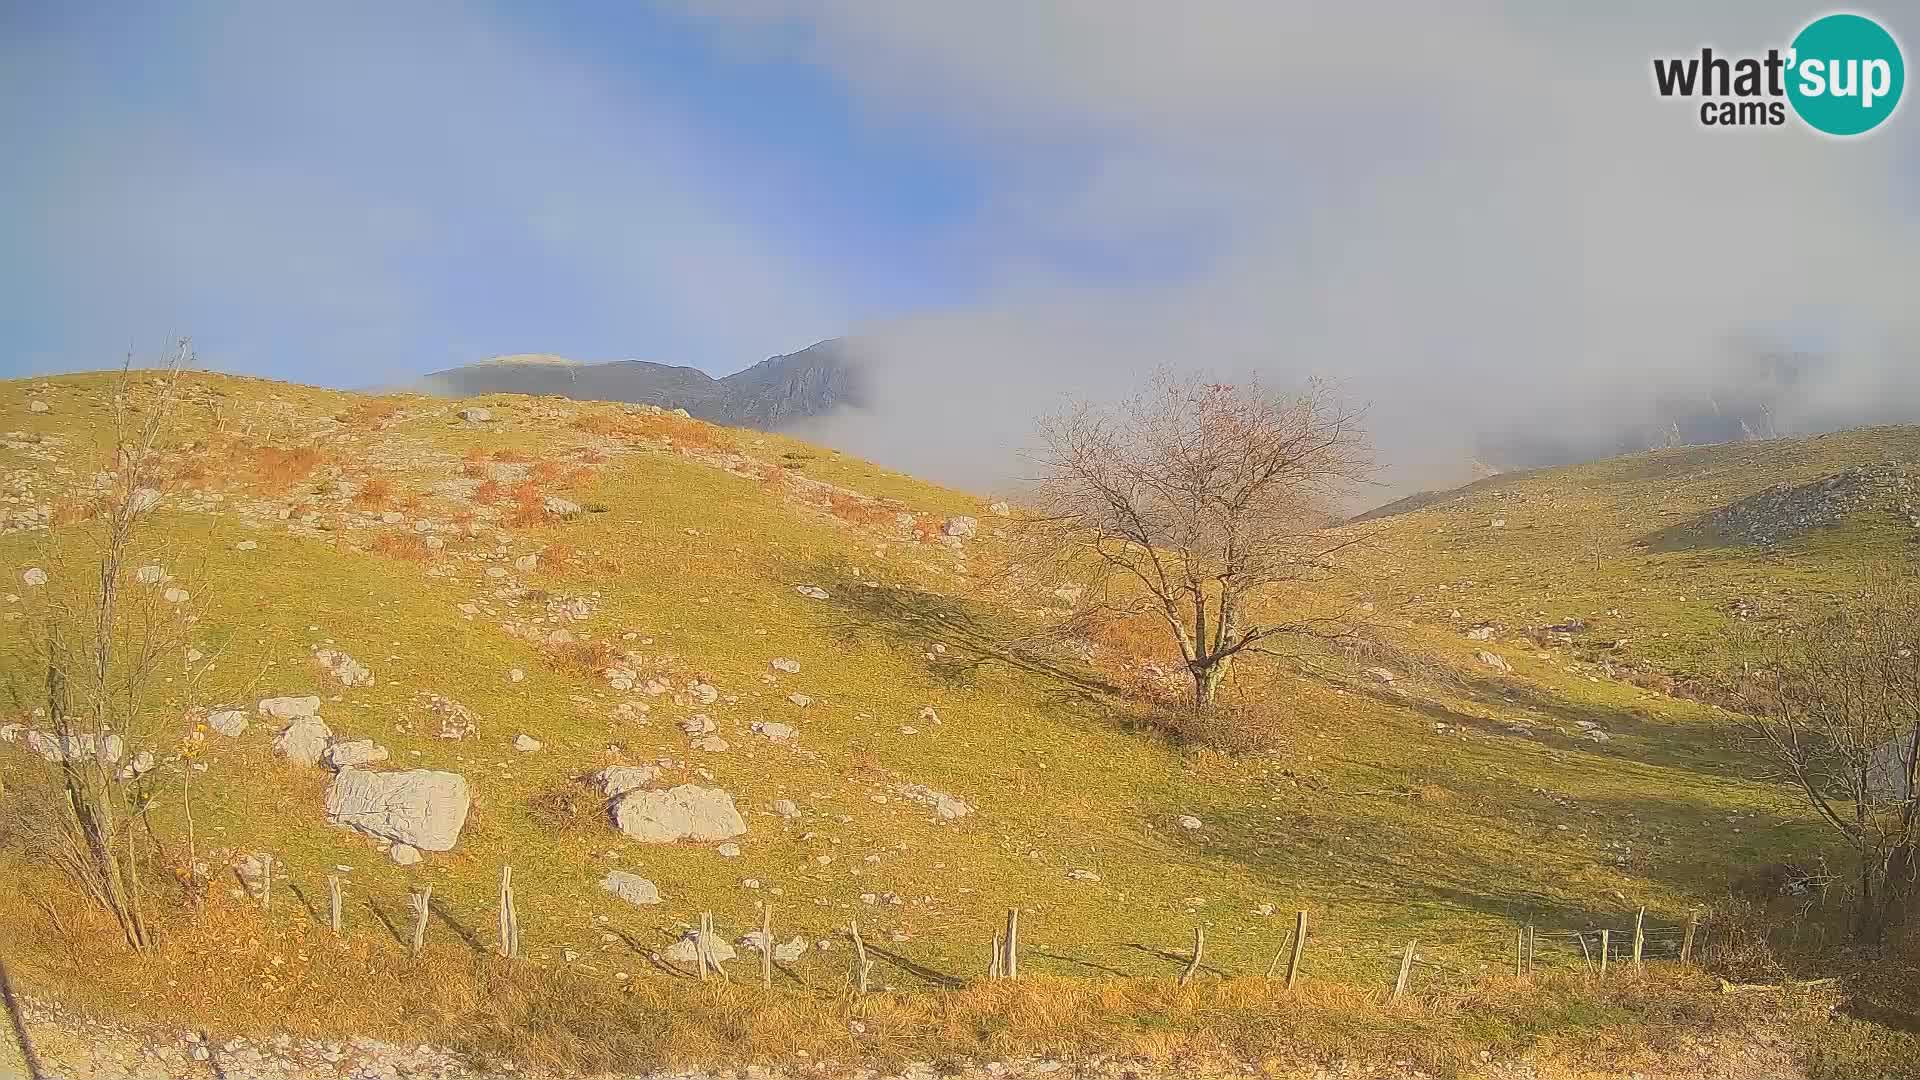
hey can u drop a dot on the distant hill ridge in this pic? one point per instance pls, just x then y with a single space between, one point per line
770 395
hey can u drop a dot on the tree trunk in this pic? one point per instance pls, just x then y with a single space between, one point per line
1207 678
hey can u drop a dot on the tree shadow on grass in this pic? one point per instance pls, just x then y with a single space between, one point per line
969 637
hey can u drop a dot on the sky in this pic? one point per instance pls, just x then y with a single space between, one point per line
1475 217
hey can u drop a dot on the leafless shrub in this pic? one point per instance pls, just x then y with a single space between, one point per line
1191 502
1836 704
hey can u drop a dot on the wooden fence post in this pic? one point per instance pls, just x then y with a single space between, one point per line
509 920
1519 949
420 901
1586 956
999 955
708 958
333 903
1199 947
266 881
1686 939
1011 968
1406 969
1606 947
1299 949
861 965
1639 938
766 944
1530 936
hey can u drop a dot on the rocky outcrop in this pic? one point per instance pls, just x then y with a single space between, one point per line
686 812
422 808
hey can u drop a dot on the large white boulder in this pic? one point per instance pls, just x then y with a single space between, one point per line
686 812
421 807
352 755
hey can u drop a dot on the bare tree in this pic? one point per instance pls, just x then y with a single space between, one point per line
1194 498
1837 706
100 631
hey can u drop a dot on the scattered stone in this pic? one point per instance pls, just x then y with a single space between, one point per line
814 591
1083 875
632 888
515 675
785 666
475 415
961 527
1382 674
686 812
454 720
947 806
421 807
526 563
800 700
34 576
728 851
150 574
404 854
525 743
1188 821
1480 633
686 951
698 724
788 952
560 507
1493 660
246 545
38 406
776 731
998 509
303 741
229 722
176 595
143 500
617 780
712 744
345 669
350 755
786 808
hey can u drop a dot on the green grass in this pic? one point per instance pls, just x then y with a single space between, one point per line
1385 825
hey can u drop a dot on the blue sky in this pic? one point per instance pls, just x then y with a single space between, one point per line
1483 219
416 191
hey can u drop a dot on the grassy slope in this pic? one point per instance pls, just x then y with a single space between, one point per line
1382 823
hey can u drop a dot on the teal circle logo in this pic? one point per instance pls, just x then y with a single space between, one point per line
1845 74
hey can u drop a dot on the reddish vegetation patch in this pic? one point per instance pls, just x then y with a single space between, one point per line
375 494
275 470
860 511
402 545
591 657
73 511
509 456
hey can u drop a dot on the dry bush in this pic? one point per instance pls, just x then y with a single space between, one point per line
71 511
368 413
589 657
490 492
926 528
571 807
410 546
529 506
274 470
475 470
856 510
604 424
375 494
1233 728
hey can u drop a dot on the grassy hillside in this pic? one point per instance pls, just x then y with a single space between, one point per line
1450 805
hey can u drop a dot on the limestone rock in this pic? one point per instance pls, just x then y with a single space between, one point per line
632 888
351 755
475 415
686 812
1493 660
344 668
961 527
948 807
786 808
525 743
303 741
420 807
617 780
290 708
404 854
776 731
685 952
785 666
229 722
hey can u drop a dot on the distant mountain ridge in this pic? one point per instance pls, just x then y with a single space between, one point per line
770 395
